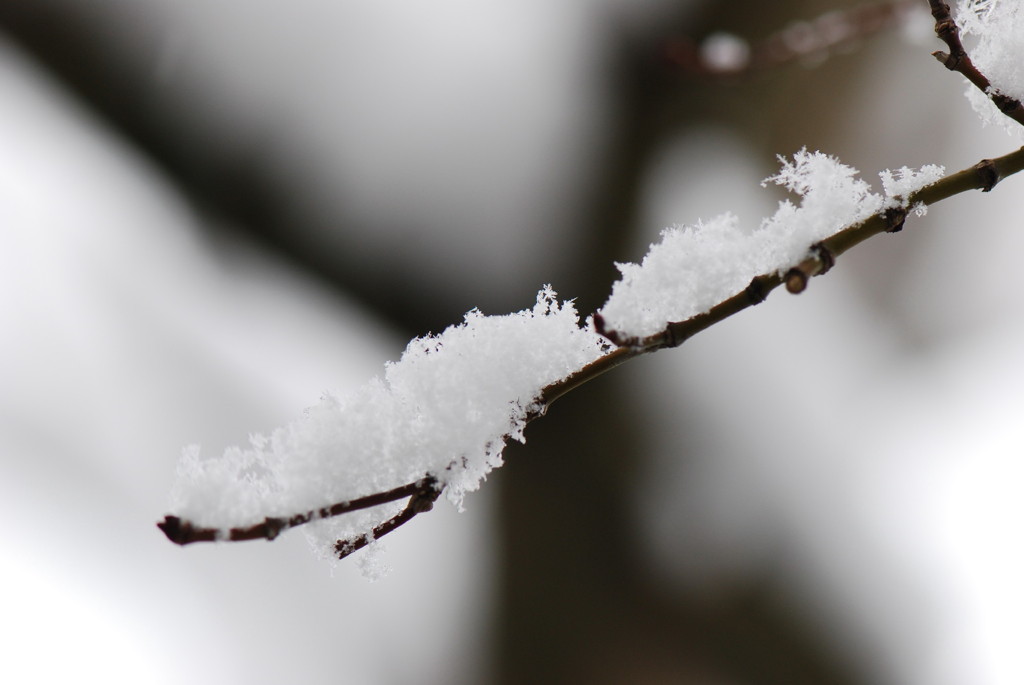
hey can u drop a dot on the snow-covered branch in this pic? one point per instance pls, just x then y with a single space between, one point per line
820 257
996 23
438 419
421 497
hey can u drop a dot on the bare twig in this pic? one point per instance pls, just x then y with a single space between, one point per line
959 61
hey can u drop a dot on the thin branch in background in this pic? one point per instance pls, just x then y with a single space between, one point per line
959 61
725 56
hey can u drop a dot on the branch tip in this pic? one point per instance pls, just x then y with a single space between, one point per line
171 527
945 59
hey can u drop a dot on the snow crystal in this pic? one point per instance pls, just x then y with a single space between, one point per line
444 409
997 27
695 267
682 275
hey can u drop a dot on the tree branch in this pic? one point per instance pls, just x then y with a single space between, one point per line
959 61
982 176
422 494
421 502
821 257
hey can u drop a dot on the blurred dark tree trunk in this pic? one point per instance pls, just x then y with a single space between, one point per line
576 604
97 52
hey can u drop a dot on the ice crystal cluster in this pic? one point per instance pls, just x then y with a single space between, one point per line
694 267
997 49
445 409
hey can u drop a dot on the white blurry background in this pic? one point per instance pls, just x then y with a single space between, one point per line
859 445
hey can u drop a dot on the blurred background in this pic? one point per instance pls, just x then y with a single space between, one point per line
212 212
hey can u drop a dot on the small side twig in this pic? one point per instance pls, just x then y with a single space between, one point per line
959 61
421 502
801 40
981 176
420 493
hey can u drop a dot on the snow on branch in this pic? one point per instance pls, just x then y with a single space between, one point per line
351 470
421 495
819 257
695 267
440 417
437 420
999 26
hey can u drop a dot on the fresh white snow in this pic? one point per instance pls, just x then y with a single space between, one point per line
445 409
696 266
